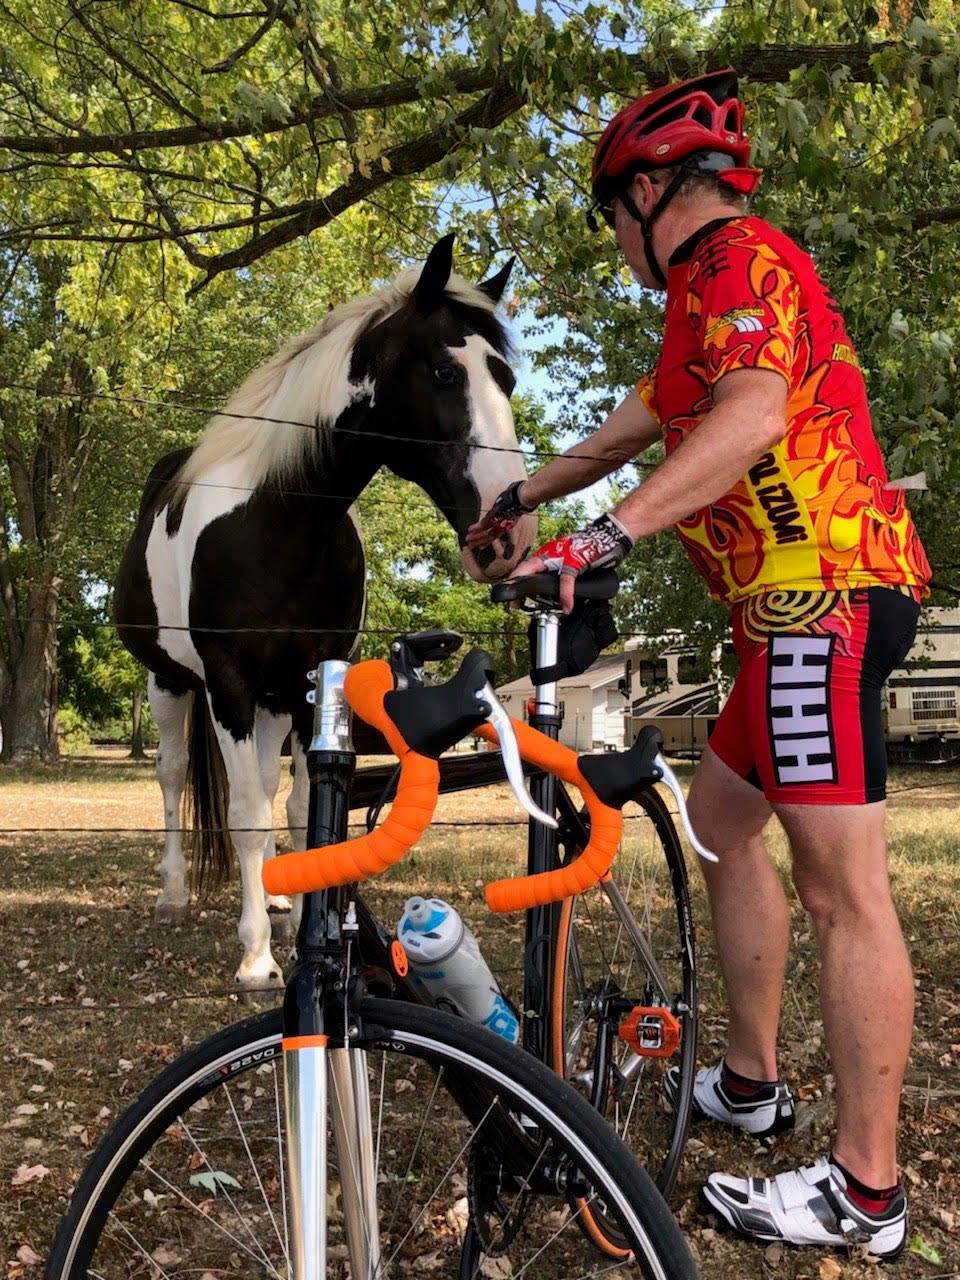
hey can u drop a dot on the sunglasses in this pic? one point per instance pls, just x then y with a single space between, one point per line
605 211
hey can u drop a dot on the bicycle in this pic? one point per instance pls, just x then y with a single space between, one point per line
209 1157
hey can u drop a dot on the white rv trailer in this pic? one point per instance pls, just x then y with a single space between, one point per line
921 700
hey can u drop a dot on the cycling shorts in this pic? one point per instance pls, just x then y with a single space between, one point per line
803 719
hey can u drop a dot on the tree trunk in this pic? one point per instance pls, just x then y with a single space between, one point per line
29 712
136 739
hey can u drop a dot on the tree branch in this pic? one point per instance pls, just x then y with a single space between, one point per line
763 65
410 157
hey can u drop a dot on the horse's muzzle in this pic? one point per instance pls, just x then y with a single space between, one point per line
501 557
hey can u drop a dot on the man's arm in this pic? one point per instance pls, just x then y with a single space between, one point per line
747 419
627 431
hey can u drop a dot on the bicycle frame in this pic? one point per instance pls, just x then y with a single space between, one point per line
323 1074
546 848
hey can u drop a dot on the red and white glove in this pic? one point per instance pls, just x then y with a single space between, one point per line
505 513
601 545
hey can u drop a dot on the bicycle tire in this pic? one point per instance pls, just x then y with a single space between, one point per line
596 964
190 1179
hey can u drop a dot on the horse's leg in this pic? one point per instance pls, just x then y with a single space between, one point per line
250 818
297 805
270 733
170 713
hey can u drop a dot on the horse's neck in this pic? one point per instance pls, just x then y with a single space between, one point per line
345 464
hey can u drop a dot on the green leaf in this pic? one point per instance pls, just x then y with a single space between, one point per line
923 1250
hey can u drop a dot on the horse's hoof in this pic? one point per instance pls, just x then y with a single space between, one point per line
249 986
170 912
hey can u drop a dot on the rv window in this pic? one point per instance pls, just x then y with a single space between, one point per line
687 669
652 671
934 704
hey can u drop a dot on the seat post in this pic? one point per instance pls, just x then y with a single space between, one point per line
546 706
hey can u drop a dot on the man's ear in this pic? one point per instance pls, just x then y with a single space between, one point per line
644 190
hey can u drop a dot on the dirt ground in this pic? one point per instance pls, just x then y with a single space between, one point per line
94 997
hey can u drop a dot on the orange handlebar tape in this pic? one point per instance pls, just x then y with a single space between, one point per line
592 864
365 687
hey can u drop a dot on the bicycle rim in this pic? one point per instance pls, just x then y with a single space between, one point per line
599 970
191 1182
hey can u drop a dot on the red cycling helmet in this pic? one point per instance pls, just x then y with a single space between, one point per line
695 127
674 123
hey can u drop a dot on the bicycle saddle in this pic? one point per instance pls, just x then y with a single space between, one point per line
603 584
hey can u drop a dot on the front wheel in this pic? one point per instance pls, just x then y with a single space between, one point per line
479 1153
626 948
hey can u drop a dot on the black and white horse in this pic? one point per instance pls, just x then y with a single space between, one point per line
246 566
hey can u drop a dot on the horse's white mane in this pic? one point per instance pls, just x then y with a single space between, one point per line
275 420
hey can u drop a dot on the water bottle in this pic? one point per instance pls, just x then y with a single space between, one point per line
445 956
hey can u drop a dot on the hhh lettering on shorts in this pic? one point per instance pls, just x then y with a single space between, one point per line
798 700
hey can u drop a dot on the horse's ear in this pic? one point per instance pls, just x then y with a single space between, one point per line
435 274
495 286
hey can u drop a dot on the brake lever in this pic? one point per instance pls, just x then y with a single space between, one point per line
670 778
512 764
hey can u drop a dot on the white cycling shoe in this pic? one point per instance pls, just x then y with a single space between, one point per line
767 1113
806 1206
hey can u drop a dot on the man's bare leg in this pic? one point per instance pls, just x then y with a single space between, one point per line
866 983
749 910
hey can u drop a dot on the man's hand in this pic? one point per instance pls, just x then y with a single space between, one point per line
506 512
602 545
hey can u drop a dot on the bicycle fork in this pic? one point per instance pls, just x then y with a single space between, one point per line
325 1078
320 1081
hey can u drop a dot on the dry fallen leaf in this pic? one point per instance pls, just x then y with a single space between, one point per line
830 1269
29 1173
773 1254
945 1218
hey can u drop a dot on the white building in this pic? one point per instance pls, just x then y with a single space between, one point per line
592 705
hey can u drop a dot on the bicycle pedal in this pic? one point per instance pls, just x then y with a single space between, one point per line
651 1031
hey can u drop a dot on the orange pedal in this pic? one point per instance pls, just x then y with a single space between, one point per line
651 1030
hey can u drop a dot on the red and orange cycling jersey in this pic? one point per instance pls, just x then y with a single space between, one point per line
815 512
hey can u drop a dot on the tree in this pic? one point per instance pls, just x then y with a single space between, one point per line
97 677
91 349
170 167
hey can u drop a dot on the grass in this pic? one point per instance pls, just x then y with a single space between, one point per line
94 996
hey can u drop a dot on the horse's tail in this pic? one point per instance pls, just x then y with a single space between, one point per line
206 800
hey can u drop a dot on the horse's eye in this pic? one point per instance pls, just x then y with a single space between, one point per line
446 375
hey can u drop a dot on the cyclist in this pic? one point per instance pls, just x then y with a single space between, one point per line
777 488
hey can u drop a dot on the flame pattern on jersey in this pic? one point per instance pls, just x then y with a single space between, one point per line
815 512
